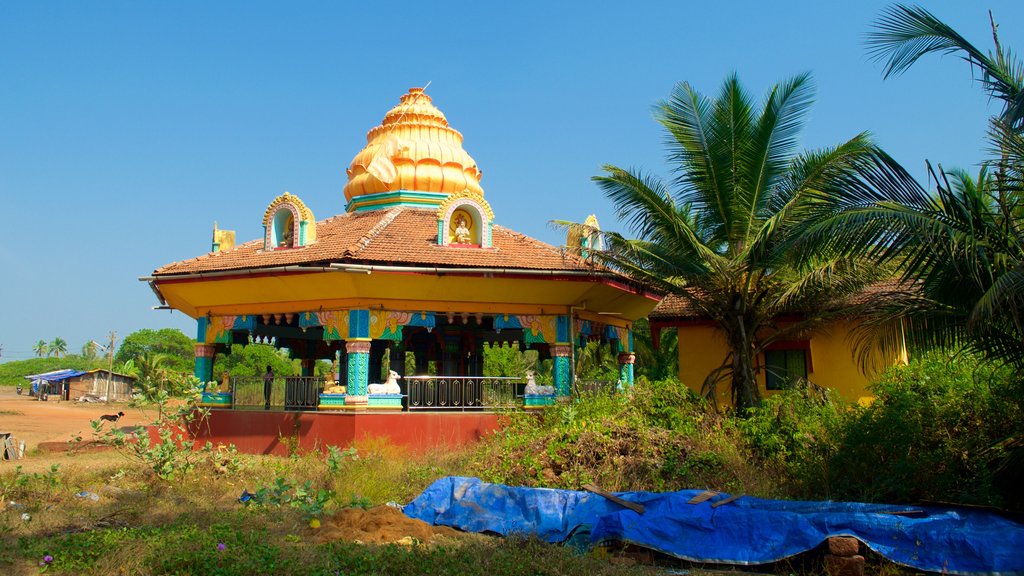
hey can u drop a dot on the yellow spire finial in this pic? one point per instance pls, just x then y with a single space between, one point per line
413 149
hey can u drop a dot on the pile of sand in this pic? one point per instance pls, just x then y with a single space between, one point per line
382 525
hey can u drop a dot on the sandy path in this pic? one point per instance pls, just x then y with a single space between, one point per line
32 421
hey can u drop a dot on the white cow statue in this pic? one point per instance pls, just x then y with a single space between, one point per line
533 389
389 387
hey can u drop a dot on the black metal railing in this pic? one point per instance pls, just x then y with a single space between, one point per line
285 393
462 392
596 386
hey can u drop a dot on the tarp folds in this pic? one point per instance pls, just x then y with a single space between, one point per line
746 531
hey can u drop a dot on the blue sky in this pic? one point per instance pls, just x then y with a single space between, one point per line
128 128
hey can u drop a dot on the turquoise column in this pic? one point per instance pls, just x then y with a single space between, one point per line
357 345
204 353
561 374
358 370
561 353
626 361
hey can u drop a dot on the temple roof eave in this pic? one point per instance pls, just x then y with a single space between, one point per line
301 289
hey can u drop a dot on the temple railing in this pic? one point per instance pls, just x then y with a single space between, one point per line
463 392
287 393
596 386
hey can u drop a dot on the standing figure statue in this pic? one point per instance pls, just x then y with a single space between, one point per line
268 384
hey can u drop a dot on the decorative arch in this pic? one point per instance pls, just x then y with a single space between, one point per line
465 219
288 223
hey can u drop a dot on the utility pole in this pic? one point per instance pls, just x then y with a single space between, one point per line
110 364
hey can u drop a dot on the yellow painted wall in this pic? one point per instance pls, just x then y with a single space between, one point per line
703 349
836 367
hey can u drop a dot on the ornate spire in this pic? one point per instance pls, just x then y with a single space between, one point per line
413 149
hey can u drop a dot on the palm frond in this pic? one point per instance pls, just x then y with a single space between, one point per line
694 148
903 34
769 150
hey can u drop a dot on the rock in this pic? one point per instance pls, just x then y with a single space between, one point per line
844 566
843 546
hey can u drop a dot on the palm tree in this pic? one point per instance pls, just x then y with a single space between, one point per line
89 352
718 234
58 347
960 249
41 348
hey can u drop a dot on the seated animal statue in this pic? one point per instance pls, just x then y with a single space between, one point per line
389 387
534 389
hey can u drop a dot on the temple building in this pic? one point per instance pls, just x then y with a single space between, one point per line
416 263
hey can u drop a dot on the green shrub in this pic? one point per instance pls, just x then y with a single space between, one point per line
658 437
932 434
795 431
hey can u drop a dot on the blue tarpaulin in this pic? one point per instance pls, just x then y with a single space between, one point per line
55 376
745 531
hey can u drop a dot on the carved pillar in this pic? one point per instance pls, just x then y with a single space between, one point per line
358 370
626 360
204 361
204 352
560 367
358 347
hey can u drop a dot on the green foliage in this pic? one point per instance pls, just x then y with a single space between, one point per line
597 362
303 497
336 457
19 483
252 361
796 431
13 373
172 453
58 347
90 351
932 434
660 437
179 348
718 233
230 547
958 249
655 364
508 360
155 380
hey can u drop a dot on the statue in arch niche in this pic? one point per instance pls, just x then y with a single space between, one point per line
287 241
463 234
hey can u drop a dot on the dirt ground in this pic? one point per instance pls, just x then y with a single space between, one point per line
384 525
52 424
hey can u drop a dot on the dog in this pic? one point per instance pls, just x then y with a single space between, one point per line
112 417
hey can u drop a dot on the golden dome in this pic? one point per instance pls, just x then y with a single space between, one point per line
413 149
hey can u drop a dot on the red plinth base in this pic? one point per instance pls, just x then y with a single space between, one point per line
257 432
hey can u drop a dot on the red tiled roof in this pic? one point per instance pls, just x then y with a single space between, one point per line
675 306
396 236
